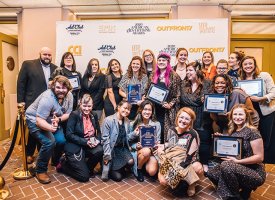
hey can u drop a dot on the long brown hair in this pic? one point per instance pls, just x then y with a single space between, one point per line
200 77
154 64
256 70
141 70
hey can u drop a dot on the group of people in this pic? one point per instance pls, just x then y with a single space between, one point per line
64 120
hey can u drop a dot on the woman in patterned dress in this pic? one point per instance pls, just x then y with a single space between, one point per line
236 178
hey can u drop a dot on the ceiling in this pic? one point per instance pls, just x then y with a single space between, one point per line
84 9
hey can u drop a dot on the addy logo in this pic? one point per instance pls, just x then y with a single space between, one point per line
75 29
107 50
204 28
170 49
138 29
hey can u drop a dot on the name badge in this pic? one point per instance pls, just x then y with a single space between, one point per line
182 141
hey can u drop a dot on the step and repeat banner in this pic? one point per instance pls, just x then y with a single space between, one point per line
123 39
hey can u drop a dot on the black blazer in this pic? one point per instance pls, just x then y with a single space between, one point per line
31 81
75 129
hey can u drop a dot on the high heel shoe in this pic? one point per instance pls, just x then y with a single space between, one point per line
191 190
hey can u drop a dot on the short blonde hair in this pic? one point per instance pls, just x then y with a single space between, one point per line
190 112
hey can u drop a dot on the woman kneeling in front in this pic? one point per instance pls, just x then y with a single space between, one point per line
83 141
179 159
236 178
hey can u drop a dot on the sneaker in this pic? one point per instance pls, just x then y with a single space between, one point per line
140 176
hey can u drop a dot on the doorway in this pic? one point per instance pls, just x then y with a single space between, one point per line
8 76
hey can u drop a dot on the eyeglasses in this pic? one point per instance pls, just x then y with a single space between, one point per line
68 58
222 68
147 56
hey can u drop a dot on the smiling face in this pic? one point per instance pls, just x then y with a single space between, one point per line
68 61
184 120
60 90
232 60
124 110
207 59
220 85
87 107
222 68
248 66
147 112
148 57
191 73
115 67
182 56
135 64
46 56
162 63
239 117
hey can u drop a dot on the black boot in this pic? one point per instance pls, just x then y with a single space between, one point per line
139 176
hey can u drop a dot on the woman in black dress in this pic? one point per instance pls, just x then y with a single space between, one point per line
113 77
93 83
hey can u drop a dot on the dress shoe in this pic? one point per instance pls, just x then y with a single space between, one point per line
191 190
43 178
140 176
30 159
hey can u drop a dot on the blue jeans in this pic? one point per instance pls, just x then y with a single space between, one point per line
50 143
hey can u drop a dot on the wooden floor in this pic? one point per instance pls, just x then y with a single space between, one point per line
64 187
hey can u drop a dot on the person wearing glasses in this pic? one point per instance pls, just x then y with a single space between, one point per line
149 61
68 69
222 68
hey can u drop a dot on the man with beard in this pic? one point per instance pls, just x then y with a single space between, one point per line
43 118
32 80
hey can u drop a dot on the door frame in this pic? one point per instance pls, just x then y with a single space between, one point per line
13 41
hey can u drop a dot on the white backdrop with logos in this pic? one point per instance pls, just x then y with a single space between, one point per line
123 39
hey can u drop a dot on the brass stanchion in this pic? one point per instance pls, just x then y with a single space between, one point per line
3 193
22 174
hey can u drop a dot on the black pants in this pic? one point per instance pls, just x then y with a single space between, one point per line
80 170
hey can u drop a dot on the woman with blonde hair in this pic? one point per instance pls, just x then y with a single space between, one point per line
236 178
179 158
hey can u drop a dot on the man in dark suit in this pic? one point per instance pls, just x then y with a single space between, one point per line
33 80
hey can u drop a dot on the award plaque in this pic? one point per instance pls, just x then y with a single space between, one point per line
147 136
227 146
216 103
157 94
252 87
75 82
133 93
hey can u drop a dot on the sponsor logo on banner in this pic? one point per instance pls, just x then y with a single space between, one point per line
201 50
174 28
107 29
205 28
75 29
107 50
138 29
170 49
136 50
76 50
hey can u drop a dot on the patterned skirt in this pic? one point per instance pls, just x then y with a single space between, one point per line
120 158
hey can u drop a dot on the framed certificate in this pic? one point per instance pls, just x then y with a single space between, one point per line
75 82
227 146
216 103
157 94
133 93
252 87
147 136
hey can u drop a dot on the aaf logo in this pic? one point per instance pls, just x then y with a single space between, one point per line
107 50
136 50
170 49
75 29
75 50
107 29
138 29
204 28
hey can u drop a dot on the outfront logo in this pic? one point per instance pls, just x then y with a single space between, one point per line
205 28
107 50
170 49
174 28
76 50
75 29
138 29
